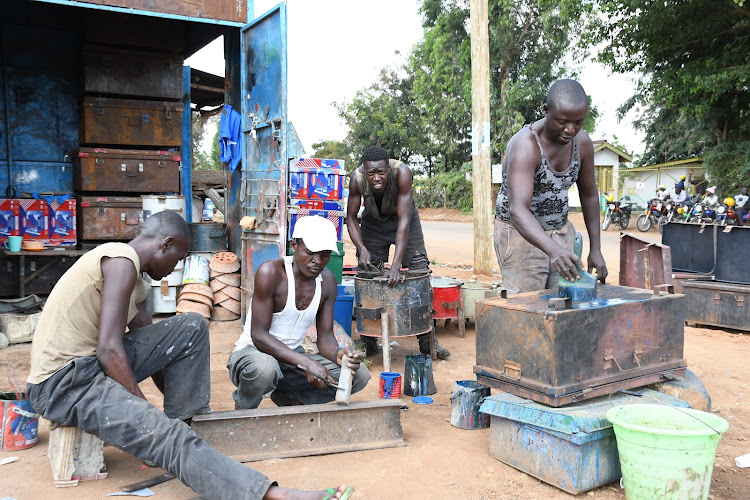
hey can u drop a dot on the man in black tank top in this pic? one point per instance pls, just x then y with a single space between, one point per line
390 218
533 237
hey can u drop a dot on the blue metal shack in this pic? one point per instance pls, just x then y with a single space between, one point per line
41 43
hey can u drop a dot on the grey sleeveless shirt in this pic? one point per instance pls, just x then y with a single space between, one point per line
549 200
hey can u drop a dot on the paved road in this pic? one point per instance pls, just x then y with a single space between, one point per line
453 242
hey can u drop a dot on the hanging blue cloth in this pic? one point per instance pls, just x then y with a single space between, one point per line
229 137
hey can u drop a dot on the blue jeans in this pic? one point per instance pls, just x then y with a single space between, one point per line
255 373
81 395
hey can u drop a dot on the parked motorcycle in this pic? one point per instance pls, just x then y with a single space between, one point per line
617 213
670 211
651 216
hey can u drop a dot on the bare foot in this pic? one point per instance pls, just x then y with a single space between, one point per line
279 493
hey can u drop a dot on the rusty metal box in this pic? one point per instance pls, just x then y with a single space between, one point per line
628 338
130 122
108 70
718 304
109 217
126 170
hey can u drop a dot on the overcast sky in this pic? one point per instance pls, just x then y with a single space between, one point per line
336 47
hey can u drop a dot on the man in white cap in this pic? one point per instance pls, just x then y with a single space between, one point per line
289 294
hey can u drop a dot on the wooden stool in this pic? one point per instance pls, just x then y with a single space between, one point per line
74 455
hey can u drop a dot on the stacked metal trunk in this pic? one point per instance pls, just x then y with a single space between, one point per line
710 267
130 135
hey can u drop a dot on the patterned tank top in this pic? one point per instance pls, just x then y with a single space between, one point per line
549 200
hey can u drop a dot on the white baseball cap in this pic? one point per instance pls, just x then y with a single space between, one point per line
317 232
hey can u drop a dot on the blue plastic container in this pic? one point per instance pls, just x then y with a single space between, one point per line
572 448
343 309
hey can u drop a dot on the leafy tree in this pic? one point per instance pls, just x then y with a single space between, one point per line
203 160
696 65
528 39
338 150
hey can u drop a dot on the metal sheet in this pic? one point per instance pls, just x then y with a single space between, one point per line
644 264
559 356
732 247
693 246
37 177
264 140
298 431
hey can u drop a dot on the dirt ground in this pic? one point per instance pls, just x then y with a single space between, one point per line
439 461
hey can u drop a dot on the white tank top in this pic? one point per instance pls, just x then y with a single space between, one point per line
290 324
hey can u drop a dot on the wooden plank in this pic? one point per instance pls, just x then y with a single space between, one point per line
480 150
299 431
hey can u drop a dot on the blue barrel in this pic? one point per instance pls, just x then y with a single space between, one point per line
343 309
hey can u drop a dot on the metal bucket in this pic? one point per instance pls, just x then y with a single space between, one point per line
472 291
408 304
208 237
447 297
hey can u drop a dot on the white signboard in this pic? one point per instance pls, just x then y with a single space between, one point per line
640 185
497 174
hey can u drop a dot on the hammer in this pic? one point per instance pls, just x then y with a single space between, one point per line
344 390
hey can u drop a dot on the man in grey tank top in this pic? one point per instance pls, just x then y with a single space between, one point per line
533 237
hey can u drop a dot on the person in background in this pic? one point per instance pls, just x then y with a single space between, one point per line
741 205
679 194
710 197
289 295
390 218
533 237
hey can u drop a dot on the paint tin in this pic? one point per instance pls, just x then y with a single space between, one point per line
390 385
418 379
196 270
465 402
20 423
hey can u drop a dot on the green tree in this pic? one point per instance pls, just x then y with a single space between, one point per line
528 39
338 150
421 112
203 160
695 63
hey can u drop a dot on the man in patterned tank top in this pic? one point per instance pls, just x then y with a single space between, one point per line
533 237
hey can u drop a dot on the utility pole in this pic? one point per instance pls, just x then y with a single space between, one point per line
480 139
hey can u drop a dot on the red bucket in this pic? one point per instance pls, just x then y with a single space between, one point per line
446 297
20 423
390 385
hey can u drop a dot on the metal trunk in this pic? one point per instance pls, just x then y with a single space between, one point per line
627 338
126 170
131 122
109 217
718 304
127 72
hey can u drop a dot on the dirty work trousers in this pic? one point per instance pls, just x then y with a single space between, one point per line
81 395
524 267
256 373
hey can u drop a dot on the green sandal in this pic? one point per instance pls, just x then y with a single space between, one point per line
344 496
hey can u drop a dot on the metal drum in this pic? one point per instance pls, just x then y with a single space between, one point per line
408 304
208 237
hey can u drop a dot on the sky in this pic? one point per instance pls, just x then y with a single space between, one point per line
337 47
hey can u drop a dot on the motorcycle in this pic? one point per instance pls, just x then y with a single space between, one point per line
617 213
670 211
723 213
651 216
